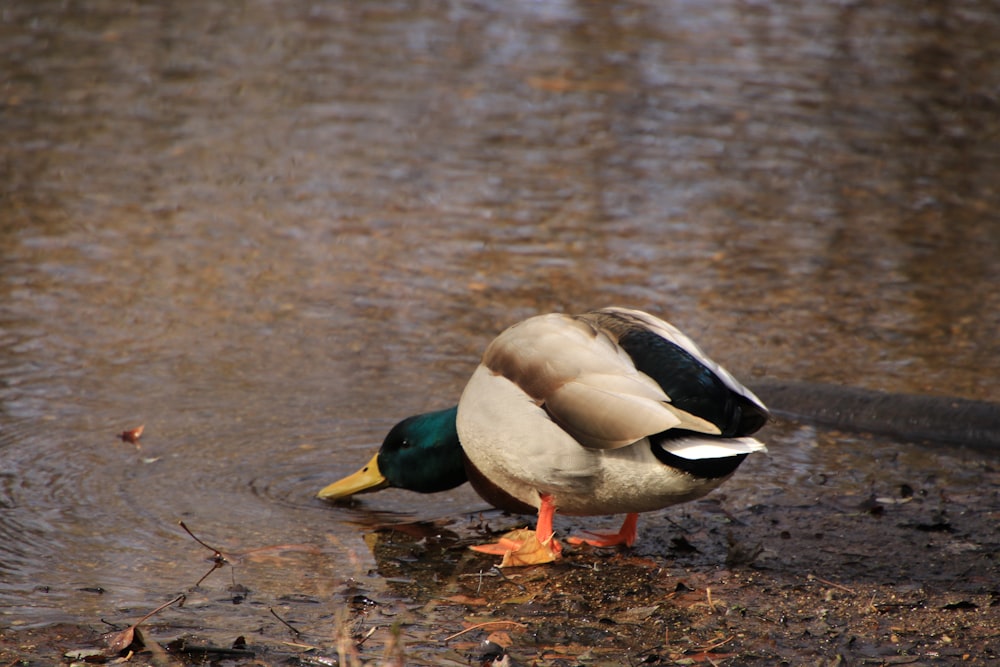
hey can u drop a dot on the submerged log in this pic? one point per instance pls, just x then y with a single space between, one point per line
912 417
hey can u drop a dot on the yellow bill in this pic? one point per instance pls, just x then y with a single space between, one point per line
369 478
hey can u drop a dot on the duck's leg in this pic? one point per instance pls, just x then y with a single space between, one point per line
528 547
543 529
626 535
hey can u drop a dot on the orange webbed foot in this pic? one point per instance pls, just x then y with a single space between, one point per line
512 541
522 547
626 535
528 547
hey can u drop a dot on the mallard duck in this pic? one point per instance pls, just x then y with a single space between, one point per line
612 411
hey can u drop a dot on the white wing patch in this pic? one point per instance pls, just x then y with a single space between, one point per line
694 449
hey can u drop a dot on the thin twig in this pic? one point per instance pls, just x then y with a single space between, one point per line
196 538
367 636
304 647
286 623
494 571
216 564
180 598
712 647
500 573
483 625
830 583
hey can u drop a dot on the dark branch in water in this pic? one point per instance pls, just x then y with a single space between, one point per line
914 417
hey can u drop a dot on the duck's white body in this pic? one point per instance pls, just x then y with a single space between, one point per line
559 407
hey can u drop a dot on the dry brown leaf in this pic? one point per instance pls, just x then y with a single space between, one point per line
465 599
531 551
500 638
121 640
132 435
568 85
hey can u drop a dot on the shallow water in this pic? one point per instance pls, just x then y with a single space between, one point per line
269 233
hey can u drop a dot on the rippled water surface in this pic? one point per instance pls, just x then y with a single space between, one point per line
268 231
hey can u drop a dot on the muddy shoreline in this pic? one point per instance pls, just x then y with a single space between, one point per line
901 568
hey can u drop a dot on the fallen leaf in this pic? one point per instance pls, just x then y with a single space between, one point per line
500 638
132 435
961 604
567 85
121 640
117 642
85 655
465 599
636 614
531 551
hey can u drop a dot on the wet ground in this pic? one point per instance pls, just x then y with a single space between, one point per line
804 559
269 232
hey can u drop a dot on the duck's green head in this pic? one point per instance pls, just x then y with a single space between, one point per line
421 453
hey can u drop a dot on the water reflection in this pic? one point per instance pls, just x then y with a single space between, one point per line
268 233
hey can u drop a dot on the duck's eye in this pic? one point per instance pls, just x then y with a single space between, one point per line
405 444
